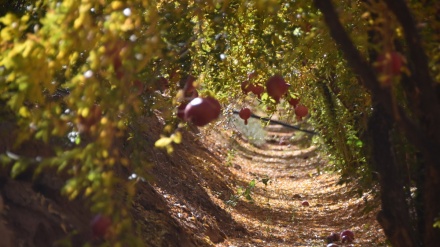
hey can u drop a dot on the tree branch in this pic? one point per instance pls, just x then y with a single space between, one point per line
430 105
359 65
362 68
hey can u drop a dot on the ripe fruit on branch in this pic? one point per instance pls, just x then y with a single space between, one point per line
245 114
301 111
390 63
347 236
216 105
100 225
276 87
258 90
201 111
247 87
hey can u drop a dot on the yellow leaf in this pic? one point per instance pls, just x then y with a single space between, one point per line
104 153
116 5
8 19
6 34
170 149
168 128
163 142
73 57
24 112
88 191
85 112
177 137
77 24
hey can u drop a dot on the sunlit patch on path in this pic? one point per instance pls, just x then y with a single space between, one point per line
294 201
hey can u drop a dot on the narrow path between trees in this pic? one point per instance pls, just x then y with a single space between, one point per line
295 201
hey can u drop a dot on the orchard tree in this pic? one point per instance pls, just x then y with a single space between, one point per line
78 77
405 92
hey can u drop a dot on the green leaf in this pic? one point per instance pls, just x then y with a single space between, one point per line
4 159
18 167
252 183
248 197
77 139
437 223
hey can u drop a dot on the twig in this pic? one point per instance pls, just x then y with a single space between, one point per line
271 121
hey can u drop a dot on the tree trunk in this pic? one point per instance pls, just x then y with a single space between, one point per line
431 194
420 126
394 216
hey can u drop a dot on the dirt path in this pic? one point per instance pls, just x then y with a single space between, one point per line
215 189
286 174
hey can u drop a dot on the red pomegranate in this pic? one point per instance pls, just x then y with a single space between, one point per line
201 111
217 108
305 203
347 236
245 114
247 87
258 90
276 87
390 63
332 245
301 111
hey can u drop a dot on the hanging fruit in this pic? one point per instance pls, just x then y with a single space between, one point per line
247 87
245 114
201 111
258 90
301 111
276 87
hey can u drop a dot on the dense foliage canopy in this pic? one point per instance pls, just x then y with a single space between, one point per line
77 77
